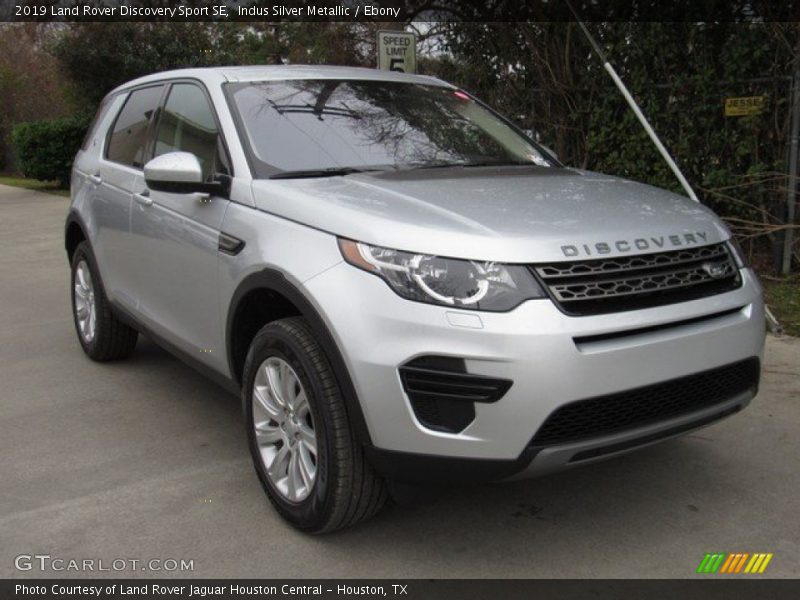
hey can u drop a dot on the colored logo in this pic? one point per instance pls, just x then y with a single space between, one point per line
735 562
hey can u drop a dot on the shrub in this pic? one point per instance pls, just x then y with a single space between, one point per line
45 149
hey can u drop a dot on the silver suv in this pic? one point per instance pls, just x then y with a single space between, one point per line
400 284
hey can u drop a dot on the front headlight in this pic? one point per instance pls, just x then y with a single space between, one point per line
452 282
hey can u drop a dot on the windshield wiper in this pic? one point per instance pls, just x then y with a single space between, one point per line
500 164
509 163
329 172
465 165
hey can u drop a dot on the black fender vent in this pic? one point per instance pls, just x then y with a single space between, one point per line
443 394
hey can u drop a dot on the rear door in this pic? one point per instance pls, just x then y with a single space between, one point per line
114 180
176 236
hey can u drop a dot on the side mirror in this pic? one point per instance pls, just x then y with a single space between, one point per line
179 173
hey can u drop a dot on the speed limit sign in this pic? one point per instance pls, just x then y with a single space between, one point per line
397 51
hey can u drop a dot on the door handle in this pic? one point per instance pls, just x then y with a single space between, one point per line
143 198
96 179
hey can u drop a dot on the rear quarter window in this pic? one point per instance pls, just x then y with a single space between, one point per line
94 126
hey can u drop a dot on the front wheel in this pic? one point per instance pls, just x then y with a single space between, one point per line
304 450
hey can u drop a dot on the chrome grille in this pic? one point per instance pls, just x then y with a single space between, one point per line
626 283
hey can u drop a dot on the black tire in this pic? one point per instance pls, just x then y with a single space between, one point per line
113 339
346 490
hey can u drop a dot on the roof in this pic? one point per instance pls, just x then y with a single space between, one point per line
218 75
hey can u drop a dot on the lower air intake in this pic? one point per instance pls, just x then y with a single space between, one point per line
443 394
605 415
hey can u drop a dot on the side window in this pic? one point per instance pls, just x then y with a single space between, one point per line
187 124
128 141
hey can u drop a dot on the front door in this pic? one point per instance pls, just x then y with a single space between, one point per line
177 235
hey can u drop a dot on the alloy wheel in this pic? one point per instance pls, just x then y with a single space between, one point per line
284 429
85 305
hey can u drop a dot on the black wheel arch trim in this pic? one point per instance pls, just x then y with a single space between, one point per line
273 280
74 218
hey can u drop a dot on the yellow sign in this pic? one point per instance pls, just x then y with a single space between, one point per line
742 107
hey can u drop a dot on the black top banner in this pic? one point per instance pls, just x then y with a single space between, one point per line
398 10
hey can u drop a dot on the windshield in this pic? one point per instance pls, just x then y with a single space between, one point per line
309 125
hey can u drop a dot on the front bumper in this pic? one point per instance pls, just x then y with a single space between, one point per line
543 351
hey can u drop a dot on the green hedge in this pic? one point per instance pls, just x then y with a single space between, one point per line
45 149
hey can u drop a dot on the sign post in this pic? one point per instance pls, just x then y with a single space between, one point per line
791 200
397 51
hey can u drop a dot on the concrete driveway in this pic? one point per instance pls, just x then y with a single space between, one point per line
146 459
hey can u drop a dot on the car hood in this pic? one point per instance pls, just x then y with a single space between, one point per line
509 214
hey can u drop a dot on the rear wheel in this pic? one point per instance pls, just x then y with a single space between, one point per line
304 450
102 336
